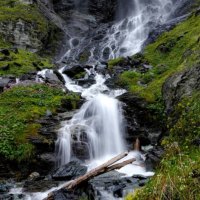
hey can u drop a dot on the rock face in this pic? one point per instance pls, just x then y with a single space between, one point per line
69 171
180 85
102 10
22 34
139 121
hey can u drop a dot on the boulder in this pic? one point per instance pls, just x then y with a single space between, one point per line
180 85
39 185
69 171
73 71
139 121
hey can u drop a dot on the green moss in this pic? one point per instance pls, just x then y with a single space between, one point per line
178 174
23 62
84 56
173 51
20 106
115 62
80 75
13 10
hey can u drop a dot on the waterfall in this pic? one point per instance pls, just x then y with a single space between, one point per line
137 19
97 128
126 36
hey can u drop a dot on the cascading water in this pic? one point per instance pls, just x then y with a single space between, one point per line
134 20
98 126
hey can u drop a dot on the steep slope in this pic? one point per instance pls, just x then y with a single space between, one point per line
172 80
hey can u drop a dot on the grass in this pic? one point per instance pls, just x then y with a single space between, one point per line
23 62
13 10
172 52
178 176
20 106
115 62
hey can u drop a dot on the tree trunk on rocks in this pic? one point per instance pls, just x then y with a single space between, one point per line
106 167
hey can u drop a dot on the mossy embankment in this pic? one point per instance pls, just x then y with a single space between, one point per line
23 27
172 52
20 107
177 176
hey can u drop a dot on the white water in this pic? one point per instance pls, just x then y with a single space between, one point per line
100 118
129 34
98 124
134 21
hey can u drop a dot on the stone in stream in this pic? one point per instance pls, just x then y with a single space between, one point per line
72 71
69 171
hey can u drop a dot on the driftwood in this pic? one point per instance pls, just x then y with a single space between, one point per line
106 167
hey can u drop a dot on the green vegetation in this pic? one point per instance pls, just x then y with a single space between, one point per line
13 10
80 75
115 62
20 106
172 52
178 176
22 62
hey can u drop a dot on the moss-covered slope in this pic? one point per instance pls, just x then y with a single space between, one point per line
20 107
177 176
23 26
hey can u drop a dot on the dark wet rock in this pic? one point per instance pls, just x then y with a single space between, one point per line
139 121
70 105
153 158
6 52
48 158
12 196
69 171
80 150
3 188
51 77
64 194
39 185
86 82
196 142
180 85
59 76
104 186
114 184
14 50
73 71
5 82
29 76
112 82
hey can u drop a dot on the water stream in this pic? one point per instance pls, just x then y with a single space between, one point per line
134 21
99 125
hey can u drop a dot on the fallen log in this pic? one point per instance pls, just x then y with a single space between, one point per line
106 167
78 181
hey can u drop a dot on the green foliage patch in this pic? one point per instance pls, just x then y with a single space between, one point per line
23 62
173 51
178 176
13 10
20 106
